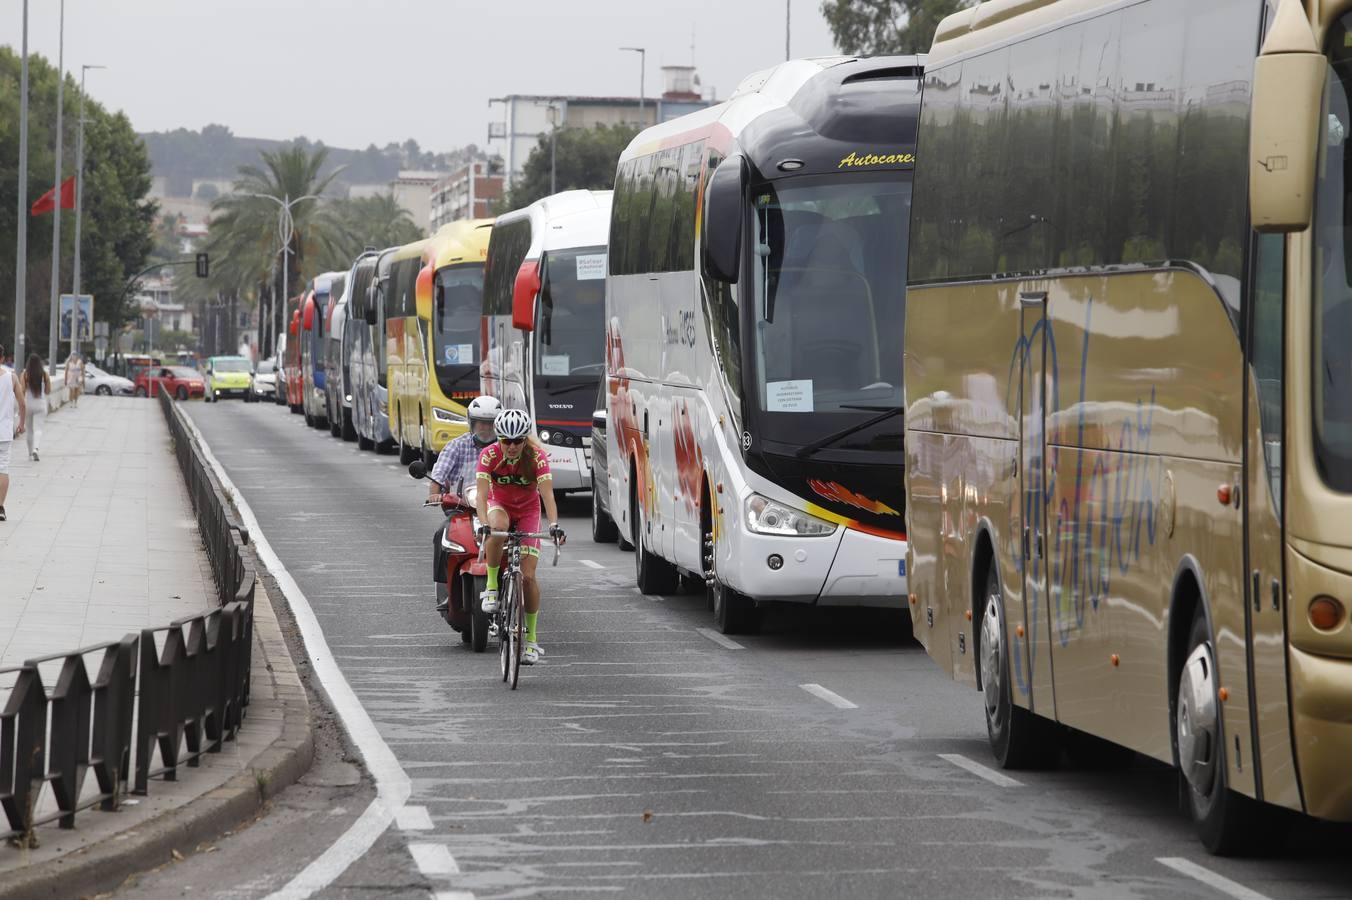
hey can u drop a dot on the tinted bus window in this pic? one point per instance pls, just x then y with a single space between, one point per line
458 310
506 250
572 316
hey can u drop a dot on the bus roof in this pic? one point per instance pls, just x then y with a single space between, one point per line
994 21
823 113
565 220
459 242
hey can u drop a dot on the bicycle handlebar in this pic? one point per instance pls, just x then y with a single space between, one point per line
521 536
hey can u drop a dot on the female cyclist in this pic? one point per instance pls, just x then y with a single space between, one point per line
513 479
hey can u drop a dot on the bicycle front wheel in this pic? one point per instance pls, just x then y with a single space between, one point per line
504 618
516 625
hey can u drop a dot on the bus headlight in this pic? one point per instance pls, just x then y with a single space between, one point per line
765 516
445 415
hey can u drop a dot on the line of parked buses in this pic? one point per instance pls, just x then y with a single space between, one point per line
1116 490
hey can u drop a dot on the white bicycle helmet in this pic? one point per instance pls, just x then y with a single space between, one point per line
512 424
483 409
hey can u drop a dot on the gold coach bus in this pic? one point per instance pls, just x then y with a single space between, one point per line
1129 387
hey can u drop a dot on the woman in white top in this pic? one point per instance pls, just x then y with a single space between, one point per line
36 385
11 424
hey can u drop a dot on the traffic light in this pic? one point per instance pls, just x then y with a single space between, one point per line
203 265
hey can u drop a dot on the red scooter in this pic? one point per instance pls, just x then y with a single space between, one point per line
465 573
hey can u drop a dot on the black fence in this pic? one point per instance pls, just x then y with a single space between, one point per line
182 688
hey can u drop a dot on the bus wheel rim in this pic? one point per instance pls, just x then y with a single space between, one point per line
1197 723
992 657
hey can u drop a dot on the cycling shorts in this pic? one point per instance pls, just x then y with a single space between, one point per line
522 518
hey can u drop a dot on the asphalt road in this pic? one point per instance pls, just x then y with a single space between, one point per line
646 757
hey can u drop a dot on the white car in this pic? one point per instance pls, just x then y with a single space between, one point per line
98 381
264 381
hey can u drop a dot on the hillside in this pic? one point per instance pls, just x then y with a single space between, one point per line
182 156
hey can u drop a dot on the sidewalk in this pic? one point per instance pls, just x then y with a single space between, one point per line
102 541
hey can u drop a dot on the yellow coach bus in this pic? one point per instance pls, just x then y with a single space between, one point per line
1129 388
405 346
441 339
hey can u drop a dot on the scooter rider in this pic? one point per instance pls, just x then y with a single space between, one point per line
455 470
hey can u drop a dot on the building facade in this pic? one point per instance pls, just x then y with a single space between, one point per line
468 193
413 190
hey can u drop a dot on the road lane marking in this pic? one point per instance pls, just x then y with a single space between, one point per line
413 818
591 564
392 782
453 895
1212 879
722 640
980 771
434 859
830 697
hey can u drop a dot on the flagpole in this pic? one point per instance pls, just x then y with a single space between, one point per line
21 263
79 177
56 213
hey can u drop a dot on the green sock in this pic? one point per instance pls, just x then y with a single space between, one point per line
530 626
493 578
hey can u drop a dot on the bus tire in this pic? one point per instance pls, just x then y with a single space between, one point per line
1019 739
406 453
1228 823
653 574
349 431
604 530
365 443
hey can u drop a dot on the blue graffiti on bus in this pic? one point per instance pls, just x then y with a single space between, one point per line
1096 526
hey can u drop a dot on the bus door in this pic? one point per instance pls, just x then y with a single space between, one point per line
1027 621
1264 618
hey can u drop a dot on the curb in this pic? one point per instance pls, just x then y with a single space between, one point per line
106 865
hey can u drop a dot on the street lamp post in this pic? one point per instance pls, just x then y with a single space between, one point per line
79 174
286 228
553 130
642 88
56 212
21 221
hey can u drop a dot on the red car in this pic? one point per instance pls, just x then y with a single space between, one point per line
181 381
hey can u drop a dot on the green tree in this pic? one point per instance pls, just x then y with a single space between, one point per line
361 222
244 235
585 158
116 230
886 27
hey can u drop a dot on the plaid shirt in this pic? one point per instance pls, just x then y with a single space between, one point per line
456 463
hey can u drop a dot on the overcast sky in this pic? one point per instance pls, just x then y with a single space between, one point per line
353 73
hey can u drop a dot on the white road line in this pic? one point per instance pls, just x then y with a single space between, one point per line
392 782
453 895
434 859
1210 878
830 697
721 640
979 770
591 564
413 818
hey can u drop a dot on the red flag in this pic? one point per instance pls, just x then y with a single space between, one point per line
47 202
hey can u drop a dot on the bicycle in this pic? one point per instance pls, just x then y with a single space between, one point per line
509 621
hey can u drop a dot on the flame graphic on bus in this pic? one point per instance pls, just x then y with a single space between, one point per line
839 493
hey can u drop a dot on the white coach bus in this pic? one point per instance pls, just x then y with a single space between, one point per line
754 311
544 322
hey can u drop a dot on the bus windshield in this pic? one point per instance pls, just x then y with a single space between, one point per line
457 312
572 314
829 273
1333 266
231 365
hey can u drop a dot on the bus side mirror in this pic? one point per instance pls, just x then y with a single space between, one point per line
422 292
1284 124
599 420
370 316
294 328
309 321
723 221
524 290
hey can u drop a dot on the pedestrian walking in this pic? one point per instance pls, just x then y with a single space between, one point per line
35 385
11 424
74 378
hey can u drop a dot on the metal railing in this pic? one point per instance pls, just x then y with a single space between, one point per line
185 697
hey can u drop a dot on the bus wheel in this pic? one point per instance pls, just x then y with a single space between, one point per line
734 613
653 574
1227 822
1019 739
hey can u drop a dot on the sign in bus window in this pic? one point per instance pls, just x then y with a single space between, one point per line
789 396
591 267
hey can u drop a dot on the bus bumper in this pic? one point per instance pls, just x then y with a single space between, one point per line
1321 695
868 571
570 468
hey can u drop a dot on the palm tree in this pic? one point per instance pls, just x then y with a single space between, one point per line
245 234
377 221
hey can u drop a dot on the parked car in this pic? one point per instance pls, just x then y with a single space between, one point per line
227 376
181 381
98 381
263 384
604 530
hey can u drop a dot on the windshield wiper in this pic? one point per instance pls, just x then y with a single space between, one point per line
569 389
473 370
887 413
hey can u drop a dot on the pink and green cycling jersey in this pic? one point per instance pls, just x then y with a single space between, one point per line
510 484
